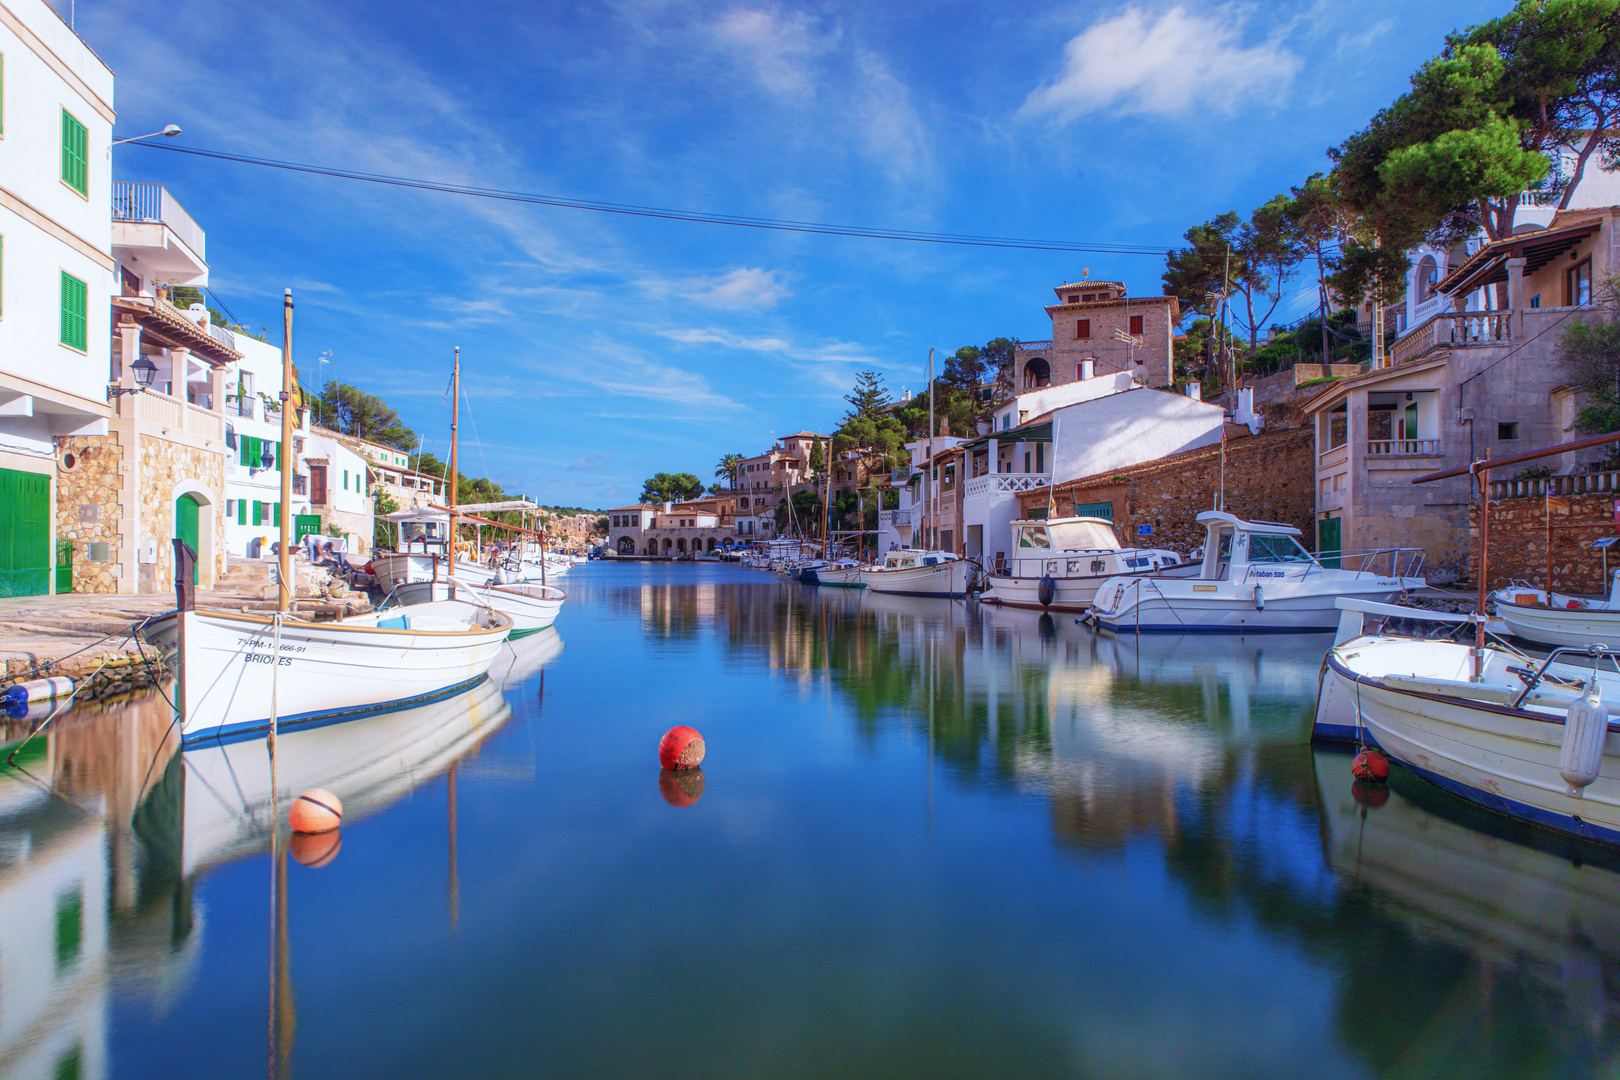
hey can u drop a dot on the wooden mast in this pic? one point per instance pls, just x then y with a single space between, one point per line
284 593
455 419
930 506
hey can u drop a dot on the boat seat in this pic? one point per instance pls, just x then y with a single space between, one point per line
399 622
1425 684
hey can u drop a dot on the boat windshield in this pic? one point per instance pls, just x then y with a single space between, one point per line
1034 536
1272 548
1083 536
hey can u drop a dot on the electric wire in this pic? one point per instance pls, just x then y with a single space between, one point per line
670 214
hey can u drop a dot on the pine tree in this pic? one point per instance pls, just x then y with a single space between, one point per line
868 398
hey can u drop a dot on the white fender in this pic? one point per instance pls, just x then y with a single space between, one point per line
1585 727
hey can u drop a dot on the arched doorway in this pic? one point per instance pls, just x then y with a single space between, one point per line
680 544
1037 373
667 545
187 515
627 546
711 543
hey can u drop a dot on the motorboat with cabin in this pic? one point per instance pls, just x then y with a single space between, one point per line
1058 564
915 572
1255 576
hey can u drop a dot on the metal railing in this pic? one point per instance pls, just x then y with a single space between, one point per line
152 203
1578 484
894 517
242 406
1402 447
1375 562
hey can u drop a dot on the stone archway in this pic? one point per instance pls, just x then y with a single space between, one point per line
1037 373
627 546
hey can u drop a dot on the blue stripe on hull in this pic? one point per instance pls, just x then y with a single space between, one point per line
1180 628
1564 823
935 595
1344 733
248 729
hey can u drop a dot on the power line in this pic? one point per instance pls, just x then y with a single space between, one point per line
632 210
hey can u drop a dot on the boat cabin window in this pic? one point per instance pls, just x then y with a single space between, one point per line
1033 536
1266 547
1083 536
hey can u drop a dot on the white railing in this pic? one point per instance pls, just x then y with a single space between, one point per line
152 203
1402 447
1005 483
204 423
894 517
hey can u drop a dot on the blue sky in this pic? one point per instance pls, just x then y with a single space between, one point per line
597 349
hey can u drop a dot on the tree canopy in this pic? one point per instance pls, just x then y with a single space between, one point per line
730 466
671 487
345 409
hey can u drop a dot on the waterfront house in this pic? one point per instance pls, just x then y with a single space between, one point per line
1098 322
256 457
1472 376
56 272
338 493
391 474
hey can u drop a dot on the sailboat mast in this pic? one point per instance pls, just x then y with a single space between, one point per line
455 422
284 570
928 479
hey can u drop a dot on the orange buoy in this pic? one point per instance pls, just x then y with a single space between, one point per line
681 748
680 788
315 850
315 811
1370 765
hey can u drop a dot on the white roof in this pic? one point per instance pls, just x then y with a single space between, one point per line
1212 517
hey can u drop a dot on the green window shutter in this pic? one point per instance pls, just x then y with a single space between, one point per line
278 457
241 511
75 309
75 154
258 512
277 521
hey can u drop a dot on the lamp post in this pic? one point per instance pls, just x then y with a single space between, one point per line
169 131
144 371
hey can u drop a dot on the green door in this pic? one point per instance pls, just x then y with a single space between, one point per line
64 566
25 533
185 526
1327 542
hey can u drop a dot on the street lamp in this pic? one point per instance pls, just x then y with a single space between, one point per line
169 131
144 371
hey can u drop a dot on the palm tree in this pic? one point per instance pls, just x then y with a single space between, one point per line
731 467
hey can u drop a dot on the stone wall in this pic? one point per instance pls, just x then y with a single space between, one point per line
357 527
1519 540
163 465
1268 478
87 508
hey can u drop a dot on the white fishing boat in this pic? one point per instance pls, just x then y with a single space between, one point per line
1523 737
838 574
1255 577
1570 620
1059 564
423 552
229 663
531 606
914 572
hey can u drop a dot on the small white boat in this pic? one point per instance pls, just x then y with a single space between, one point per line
1065 560
324 671
914 572
1571 620
531 606
1515 735
839 574
1255 576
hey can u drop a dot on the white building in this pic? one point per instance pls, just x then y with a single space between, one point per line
56 272
338 493
253 465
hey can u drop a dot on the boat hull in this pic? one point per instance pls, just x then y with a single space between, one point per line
1173 605
836 577
945 579
1559 626
1499 757
530 606
1072 594
323 672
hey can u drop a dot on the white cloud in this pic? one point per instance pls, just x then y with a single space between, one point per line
591 463
778 48
1170 63
746 287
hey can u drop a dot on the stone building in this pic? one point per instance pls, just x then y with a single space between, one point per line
1461 382
673 529
1097 322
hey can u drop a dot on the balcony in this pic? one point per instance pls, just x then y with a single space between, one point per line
997 484
170 415
1454 329
242 406
151 225
894 517
1605 483
1403 447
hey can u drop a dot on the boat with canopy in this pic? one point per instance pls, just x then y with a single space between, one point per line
1058 564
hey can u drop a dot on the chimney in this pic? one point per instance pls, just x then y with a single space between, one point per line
1195 391
1088 368
945 425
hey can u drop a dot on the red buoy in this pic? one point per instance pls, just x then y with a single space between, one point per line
1369 794
1370 765
315 850
315 811
681 748
680 788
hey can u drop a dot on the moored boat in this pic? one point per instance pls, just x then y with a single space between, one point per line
531 606
1065 560
1254 577
1568 620
914 572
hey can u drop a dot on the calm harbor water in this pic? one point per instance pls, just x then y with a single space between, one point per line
930 840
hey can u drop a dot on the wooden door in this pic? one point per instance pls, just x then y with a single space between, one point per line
317 484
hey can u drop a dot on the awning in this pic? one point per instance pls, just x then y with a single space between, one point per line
168 326
1488 265
1039 431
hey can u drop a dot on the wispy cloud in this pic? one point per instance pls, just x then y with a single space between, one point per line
1136 62
591 463
745 288
779 49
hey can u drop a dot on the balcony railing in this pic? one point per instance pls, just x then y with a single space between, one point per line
894 517
1579 484
243 406
1456 329
1402 447
171 414
1005 483
152 204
